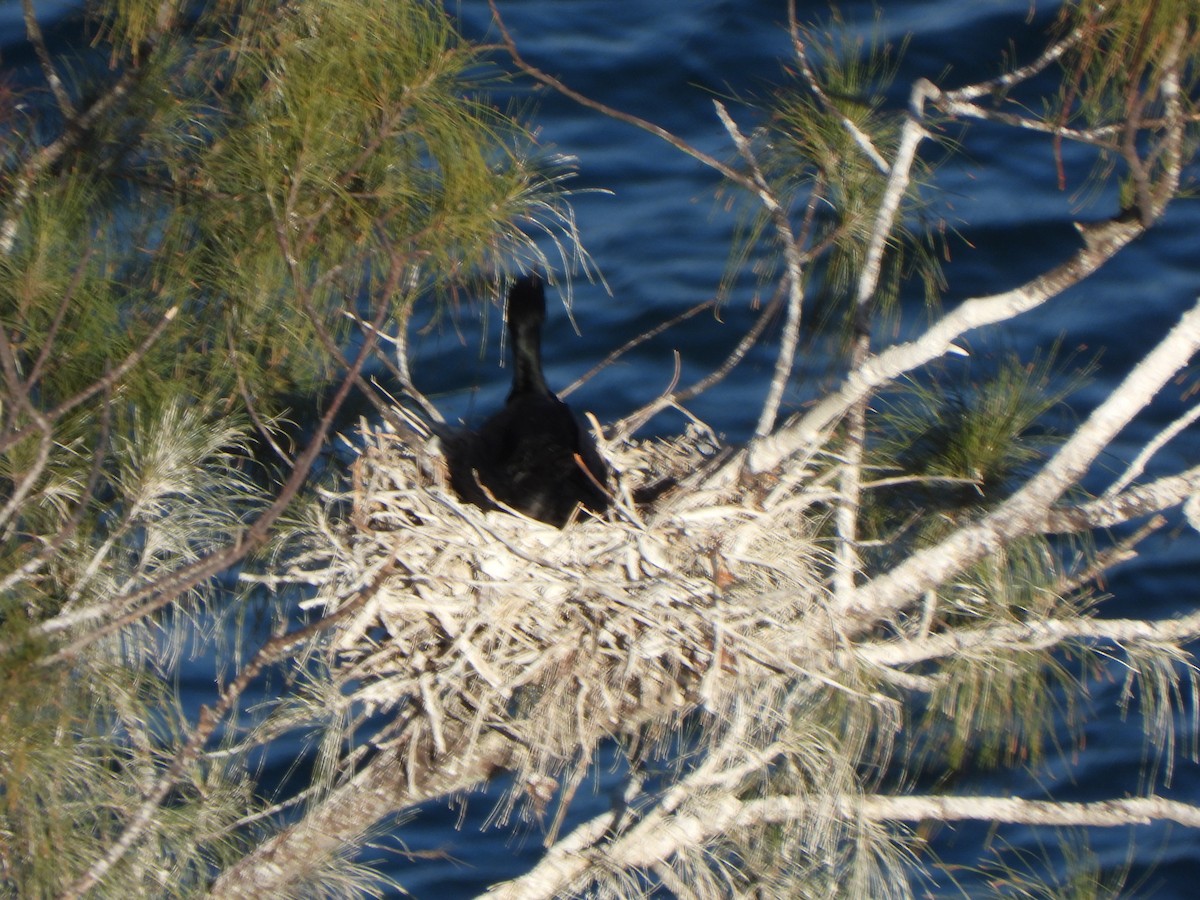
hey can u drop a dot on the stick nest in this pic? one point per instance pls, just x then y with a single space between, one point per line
463 620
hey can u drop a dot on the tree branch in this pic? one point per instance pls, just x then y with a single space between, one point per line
550 81
1026 510
1102 241
1033 635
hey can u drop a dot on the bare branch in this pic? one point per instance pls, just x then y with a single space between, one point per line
1026 510
1138 465
1102 241
1029 636
1011 810
646 335
847 564
550 81
723 814
794 279
34 32
1143 500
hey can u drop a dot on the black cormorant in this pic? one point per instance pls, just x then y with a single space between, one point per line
532 455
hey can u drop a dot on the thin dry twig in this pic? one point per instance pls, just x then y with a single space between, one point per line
814 84
1138 465
635 342
675 141
100 385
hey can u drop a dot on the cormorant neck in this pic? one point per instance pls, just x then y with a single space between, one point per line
526 312
526 335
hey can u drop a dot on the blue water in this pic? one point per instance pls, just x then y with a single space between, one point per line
662 242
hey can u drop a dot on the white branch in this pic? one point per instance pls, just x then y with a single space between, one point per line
1033 635
795 276
1138 466
1101 242
1142 500
1010 810
571 858
1026 510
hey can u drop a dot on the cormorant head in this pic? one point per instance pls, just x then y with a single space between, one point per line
527 301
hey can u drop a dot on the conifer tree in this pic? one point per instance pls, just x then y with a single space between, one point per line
214 212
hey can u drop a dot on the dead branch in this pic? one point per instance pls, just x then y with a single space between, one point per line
550 81
1021 514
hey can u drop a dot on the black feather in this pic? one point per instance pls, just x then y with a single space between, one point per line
533 455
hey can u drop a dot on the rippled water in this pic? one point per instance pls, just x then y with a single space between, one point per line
662 243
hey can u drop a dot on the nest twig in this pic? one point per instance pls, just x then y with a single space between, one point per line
493 621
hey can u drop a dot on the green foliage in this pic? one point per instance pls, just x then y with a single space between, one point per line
127 25
272 162
970 437
999 710
962 445
816 164
175 268
79 747
50 290
351 137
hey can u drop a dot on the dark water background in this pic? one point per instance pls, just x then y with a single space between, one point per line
662 242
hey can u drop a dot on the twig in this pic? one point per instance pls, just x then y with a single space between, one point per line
271 652
1021 74
635 342
67 529
404 370
1138 465
550 81
24 483
639 417
1107 559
